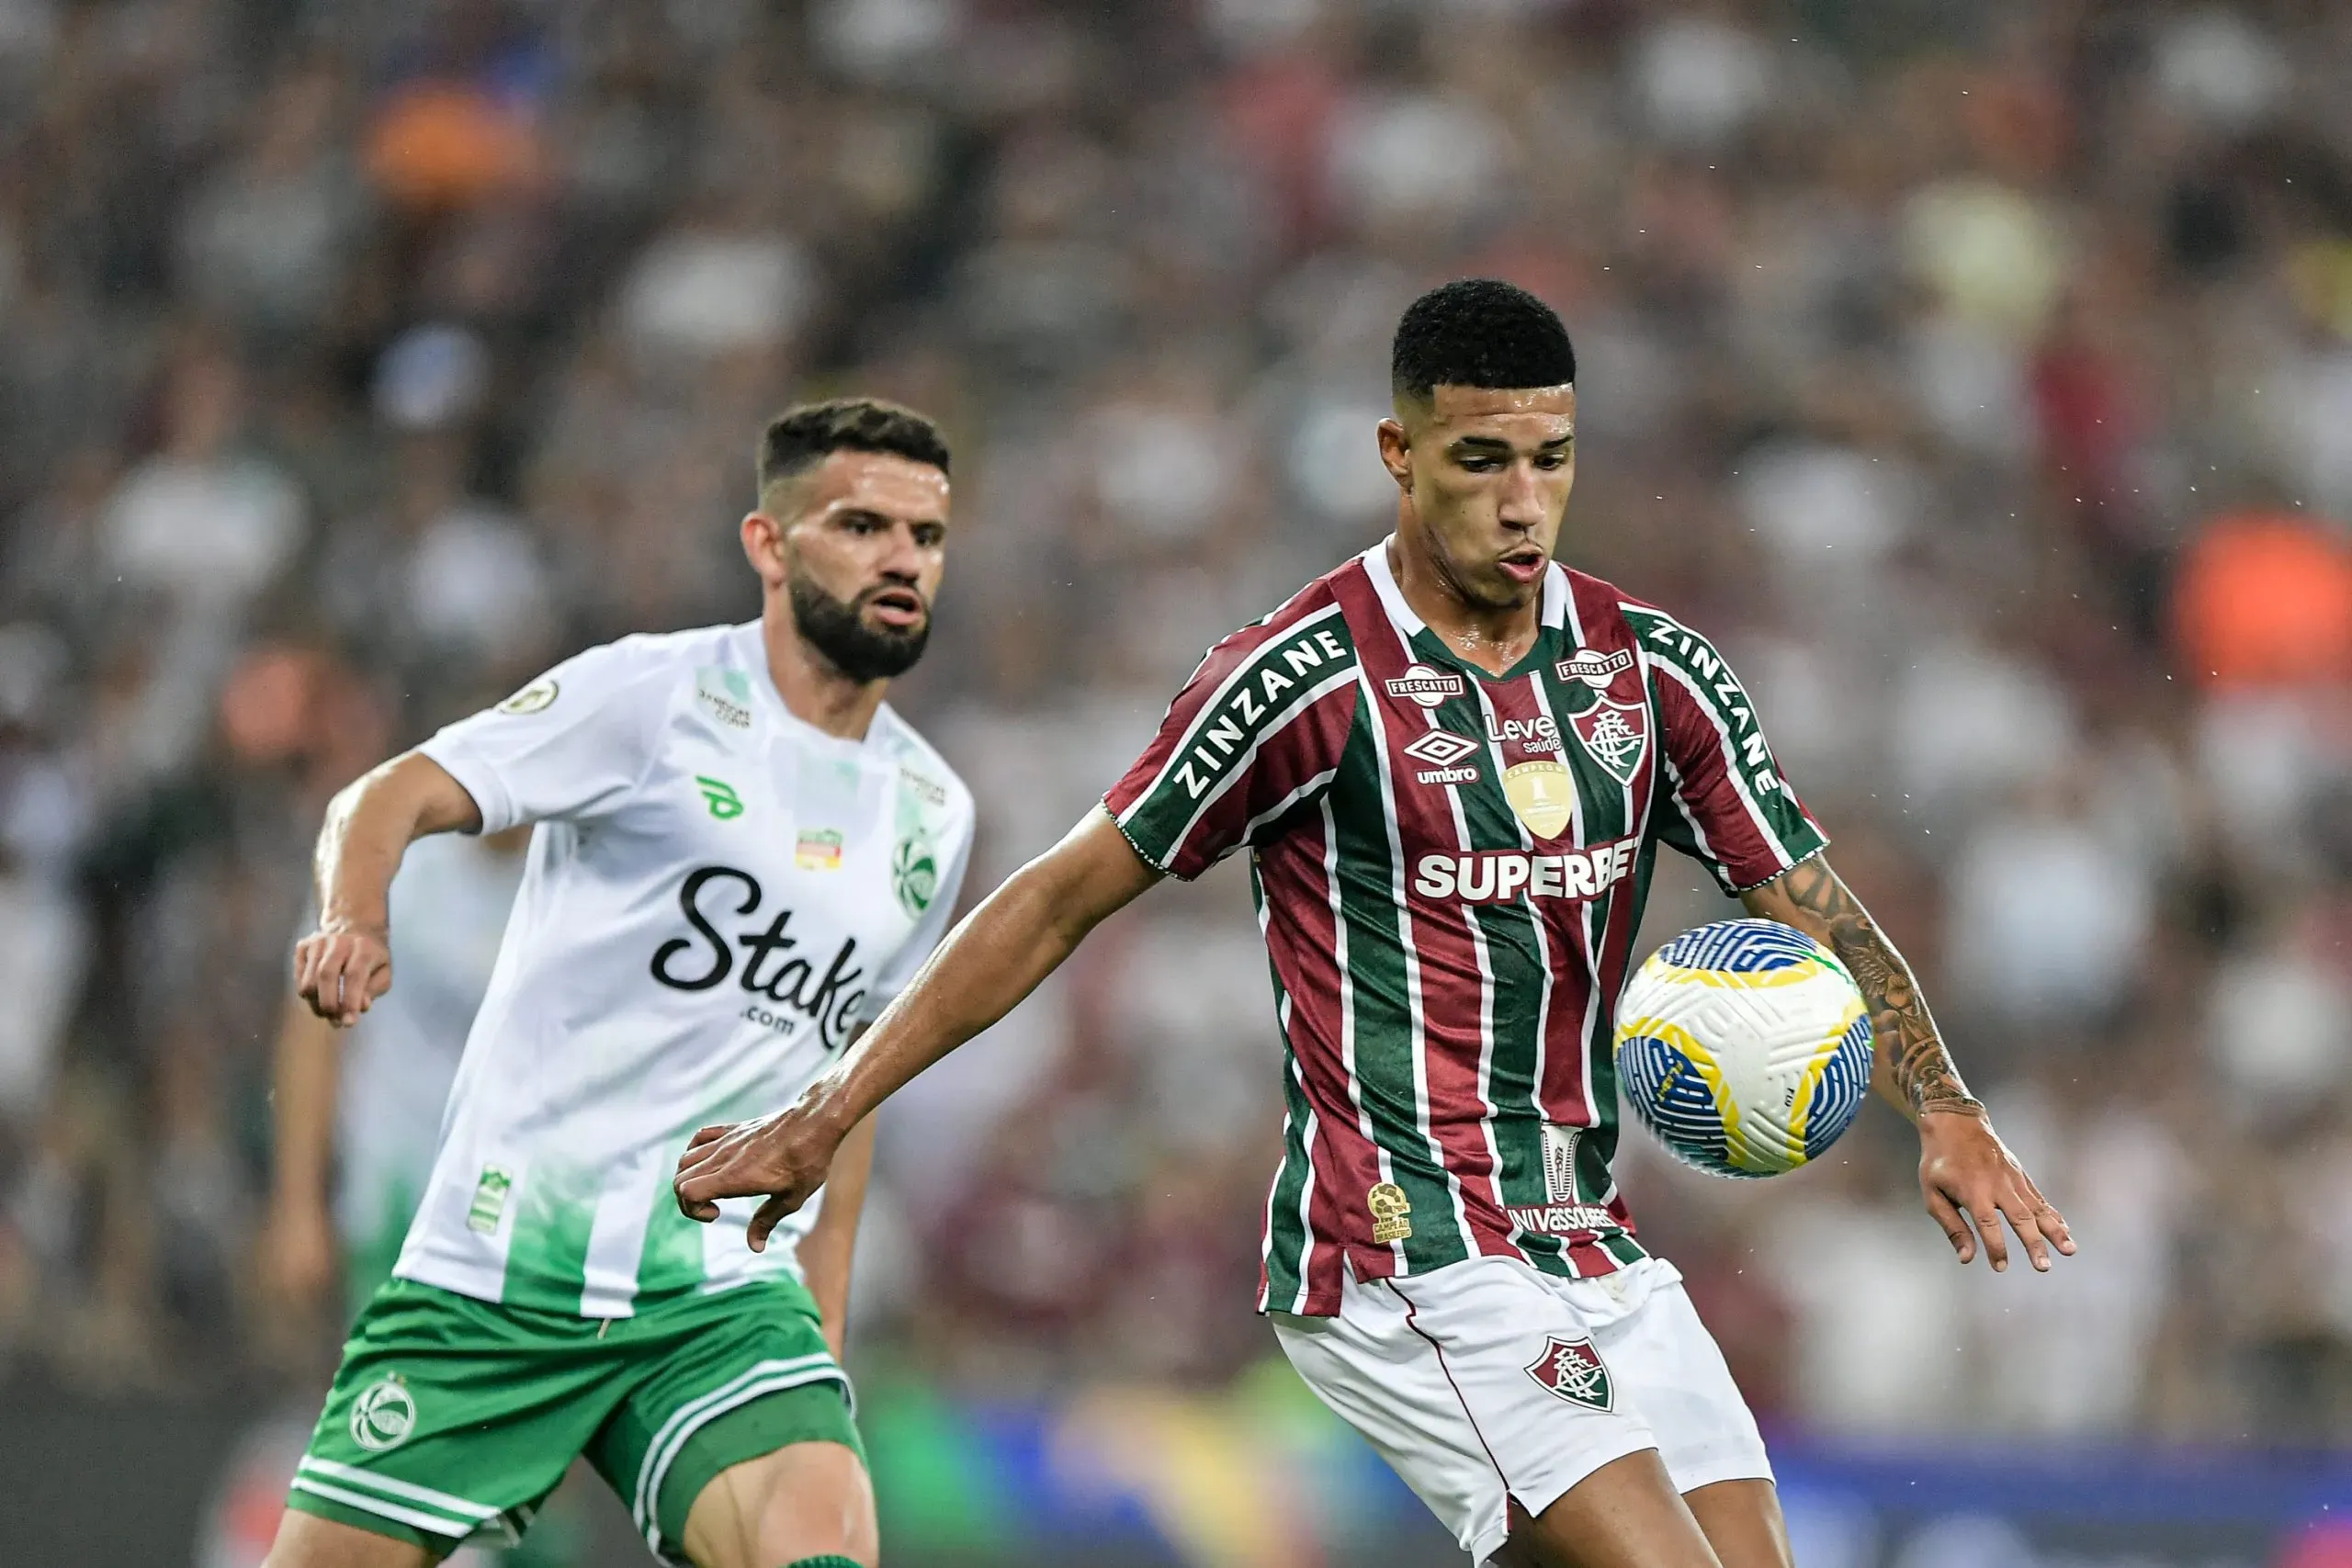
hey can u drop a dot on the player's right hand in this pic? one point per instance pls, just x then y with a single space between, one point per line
341 971
783 1157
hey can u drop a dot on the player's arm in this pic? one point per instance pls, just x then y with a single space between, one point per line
827 1250
989 962
1964 1168
346 964
299 1244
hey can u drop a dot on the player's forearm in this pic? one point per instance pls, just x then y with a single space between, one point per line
303 1105
370 825
996 956
828 1250
1912 1070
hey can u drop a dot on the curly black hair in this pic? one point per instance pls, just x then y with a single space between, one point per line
1479 332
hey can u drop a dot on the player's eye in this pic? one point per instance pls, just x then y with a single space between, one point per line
929 536
1555 459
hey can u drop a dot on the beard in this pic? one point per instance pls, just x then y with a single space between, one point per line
837 629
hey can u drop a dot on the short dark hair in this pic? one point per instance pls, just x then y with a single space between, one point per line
1479 332
800 436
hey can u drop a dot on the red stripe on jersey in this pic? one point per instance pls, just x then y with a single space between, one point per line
1443 944
1303 940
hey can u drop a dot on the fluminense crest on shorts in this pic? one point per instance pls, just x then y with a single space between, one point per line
1615 735
1574 1369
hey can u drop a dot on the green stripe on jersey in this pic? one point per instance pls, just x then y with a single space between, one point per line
1380 1003
547 1261
1288 1242
1514 957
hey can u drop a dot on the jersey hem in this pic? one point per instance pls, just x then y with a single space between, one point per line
477 778
1814 853
1165 868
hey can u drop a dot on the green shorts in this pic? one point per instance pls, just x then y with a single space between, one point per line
452 1417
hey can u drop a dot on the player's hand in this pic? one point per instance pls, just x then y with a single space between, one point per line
1969 1177
298 1252
783 1157
341 970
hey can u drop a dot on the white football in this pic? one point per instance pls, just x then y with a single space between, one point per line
1744 1046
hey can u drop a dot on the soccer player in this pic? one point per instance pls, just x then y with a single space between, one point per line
1453 763
742 853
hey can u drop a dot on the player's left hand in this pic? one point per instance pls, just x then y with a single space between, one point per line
783 1157
1969 1177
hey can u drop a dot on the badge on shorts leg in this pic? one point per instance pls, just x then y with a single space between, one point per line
1574 1369
384 1414
1391 1214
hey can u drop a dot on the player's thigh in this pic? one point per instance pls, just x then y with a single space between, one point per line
810 1499
1742 1523
449 1420
306 1541
1624 1514
1672 1376
1455 1379
745 1375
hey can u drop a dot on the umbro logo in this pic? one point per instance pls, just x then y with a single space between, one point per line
1445 749
1440 747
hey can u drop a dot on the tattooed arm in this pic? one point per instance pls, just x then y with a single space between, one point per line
1964 1168
1913 1070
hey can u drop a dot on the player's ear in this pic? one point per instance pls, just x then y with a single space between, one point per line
1396 453
762 538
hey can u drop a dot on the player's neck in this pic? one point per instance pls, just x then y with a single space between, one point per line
1493 640
814 691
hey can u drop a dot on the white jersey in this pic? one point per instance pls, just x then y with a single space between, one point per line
448 907
717 895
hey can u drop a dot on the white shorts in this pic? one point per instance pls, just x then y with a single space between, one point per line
1489 1379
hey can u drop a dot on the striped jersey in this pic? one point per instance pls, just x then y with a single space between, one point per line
1449 868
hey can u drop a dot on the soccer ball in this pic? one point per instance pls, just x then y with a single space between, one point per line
1744 1046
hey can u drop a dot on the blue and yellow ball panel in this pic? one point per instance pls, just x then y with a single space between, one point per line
1744 1045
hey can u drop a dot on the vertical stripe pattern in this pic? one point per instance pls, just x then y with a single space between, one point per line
1448 867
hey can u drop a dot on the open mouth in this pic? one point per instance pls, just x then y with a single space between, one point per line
898 607
1526 565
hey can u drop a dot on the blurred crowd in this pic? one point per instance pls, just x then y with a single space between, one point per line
1979 372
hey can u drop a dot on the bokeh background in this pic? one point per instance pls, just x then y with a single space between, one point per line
1979 373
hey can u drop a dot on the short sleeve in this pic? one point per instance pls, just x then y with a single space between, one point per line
1256 732
930 931
1726 803
570 745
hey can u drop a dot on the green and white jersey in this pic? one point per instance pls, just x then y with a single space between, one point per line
717 895
448 907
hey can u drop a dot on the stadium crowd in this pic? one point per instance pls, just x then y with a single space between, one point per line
1979 372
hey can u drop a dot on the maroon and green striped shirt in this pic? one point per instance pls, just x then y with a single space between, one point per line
1449 868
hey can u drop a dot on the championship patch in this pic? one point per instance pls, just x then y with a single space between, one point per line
1594 668
1573 1369
818 849
1616 735
384 1414
1429 687
531 698
1542 796
1391 1214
